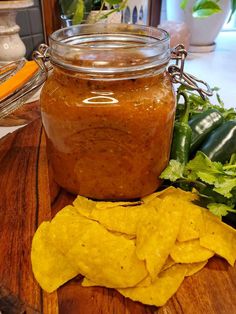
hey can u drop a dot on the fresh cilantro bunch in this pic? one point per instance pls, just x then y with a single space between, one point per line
215 182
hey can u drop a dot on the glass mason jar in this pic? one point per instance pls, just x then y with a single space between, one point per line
108 109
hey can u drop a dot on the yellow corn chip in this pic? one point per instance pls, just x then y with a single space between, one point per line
192 222
219 237
122 219
50 266
94 252
193 268
102 205
190 252
163 288
168 263
114 217
88 283
83 205
144 249
156 235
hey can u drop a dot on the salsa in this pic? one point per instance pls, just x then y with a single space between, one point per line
108 139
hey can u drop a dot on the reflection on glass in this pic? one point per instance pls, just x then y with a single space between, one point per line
100 100
141 13
127 15
135 15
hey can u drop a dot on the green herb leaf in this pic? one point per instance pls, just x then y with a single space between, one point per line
207 177
233 159
220 101
173 171
218 209
202 167
225 187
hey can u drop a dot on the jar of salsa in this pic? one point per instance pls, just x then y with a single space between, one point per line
108 109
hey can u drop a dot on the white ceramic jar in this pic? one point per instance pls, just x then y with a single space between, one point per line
204 31
11 46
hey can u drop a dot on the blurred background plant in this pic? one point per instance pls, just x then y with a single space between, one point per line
206 8
204 19
78 11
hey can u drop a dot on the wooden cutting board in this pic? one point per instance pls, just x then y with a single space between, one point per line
27 197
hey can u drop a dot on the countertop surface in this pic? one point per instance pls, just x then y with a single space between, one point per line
218 68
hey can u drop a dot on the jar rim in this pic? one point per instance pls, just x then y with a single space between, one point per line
59 35
109 49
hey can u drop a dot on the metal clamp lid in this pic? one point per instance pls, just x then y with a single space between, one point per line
19 96
178 75
176 71
41 56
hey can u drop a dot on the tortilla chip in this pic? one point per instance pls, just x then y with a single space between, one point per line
156 235
219 237
168 263
144 249
192 222
102 205
162 289
149 198
106 258
144 283
122 219
67 227
51 267
193 268
190 252
83 205
88 283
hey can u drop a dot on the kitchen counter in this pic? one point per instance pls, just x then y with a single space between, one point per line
218 68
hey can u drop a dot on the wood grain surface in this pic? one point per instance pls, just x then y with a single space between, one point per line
29 196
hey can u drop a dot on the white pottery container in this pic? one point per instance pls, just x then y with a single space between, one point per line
11 46
204 31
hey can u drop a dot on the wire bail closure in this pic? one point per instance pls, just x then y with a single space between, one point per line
178 75
42 58
176 71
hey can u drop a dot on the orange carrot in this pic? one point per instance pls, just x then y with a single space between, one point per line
19 79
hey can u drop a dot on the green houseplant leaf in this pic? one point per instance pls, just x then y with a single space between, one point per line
112 2
233 8
68 7
183 4
205 8
79 12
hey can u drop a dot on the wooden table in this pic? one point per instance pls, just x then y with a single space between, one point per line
28 197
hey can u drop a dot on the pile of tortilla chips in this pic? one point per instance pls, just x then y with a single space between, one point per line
143 249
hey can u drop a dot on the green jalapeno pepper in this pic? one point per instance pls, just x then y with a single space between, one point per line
202 125
181 141
221 143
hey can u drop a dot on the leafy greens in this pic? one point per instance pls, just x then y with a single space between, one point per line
214 182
